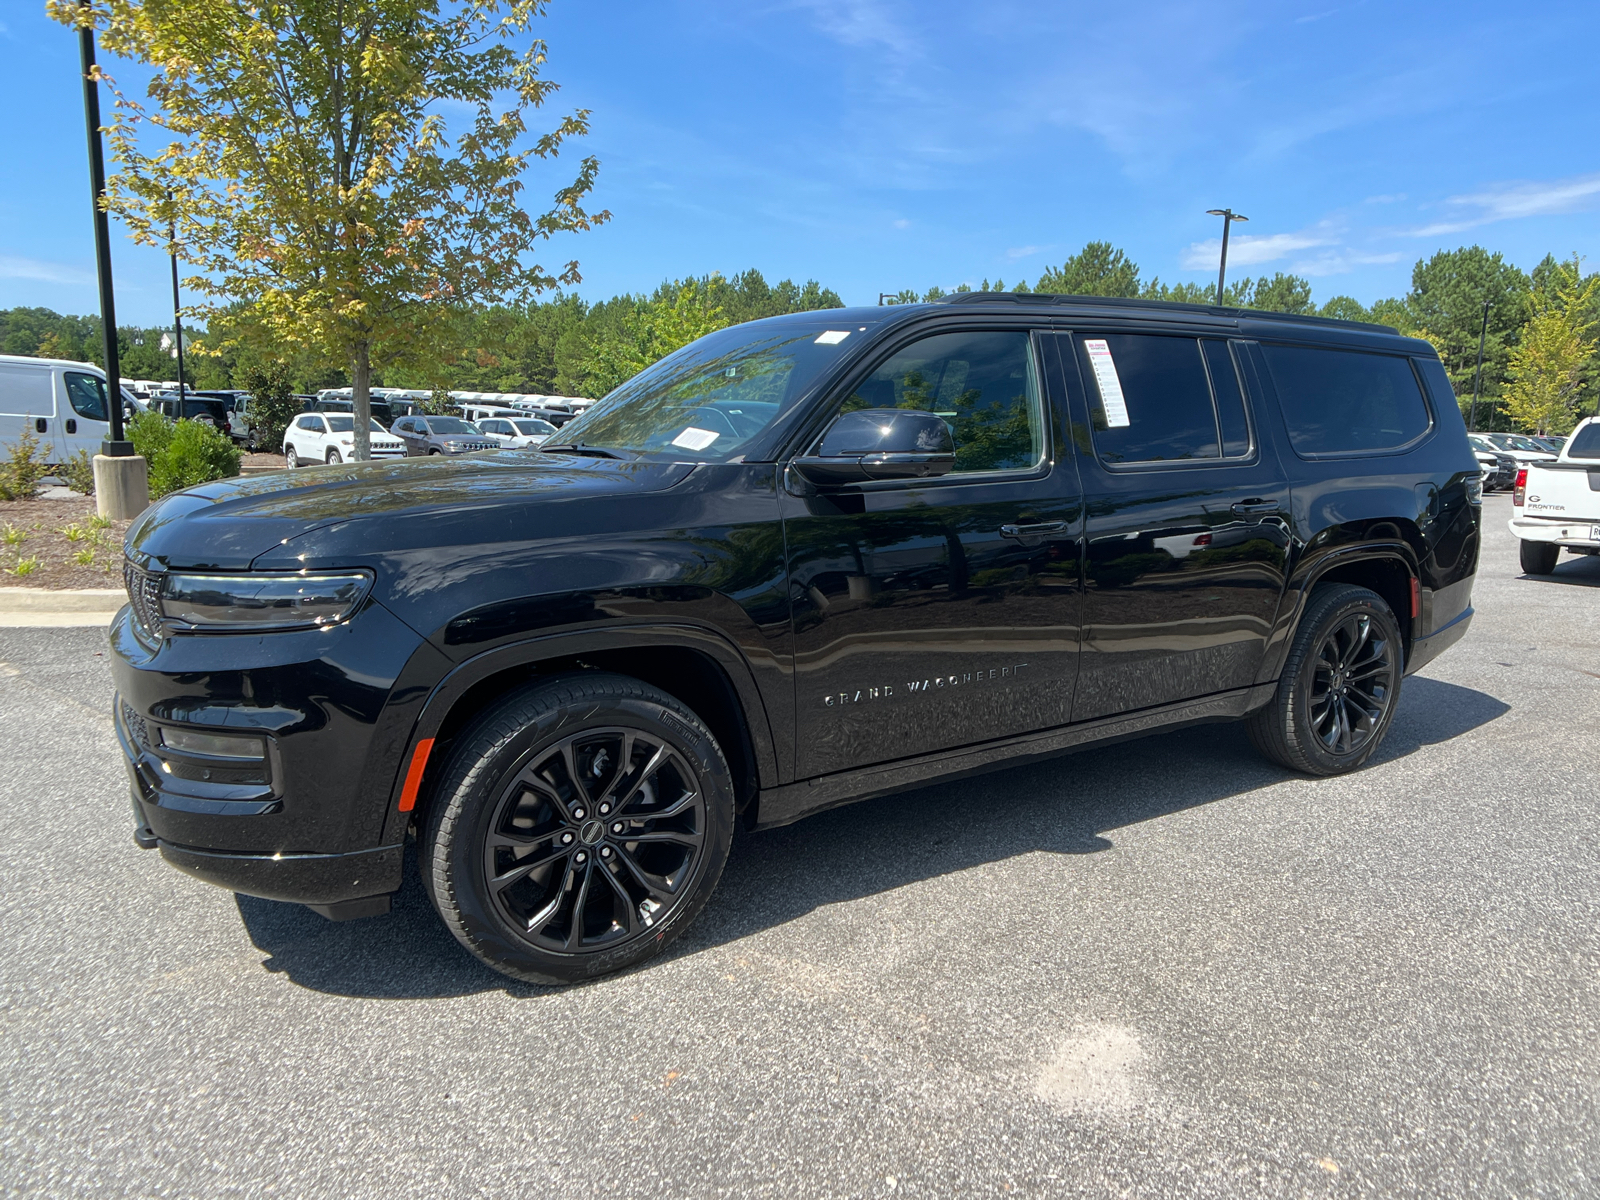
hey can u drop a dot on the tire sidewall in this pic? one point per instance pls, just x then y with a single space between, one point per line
476 794
1300 710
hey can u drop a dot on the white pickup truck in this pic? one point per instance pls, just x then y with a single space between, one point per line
1556 504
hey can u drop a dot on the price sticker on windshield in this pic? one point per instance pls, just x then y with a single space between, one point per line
694 439
833 337
1105 377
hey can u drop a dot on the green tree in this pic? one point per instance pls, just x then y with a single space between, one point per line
272 403
1554 346
307 162
1344 308
1099 269
1445 305
655 329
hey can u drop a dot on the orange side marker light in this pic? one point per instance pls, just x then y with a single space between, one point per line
419 763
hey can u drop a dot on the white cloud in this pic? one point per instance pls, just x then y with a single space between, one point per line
1023 251
1248 251
1513 201
901 223
1339 262
42 272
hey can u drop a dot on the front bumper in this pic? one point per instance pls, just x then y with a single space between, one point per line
312 819
1576 532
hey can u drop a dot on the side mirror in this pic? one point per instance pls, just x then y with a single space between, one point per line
880 443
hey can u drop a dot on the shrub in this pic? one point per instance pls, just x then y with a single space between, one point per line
22 469
196 453
151 434
78 473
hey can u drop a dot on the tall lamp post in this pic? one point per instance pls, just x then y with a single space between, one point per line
1228 218
121 478
1477 376
177 314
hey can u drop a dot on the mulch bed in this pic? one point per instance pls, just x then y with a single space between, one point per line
44 524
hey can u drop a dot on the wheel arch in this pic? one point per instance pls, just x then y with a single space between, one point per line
694 665
1388 568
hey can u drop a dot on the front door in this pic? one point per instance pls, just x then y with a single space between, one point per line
931 614
86 421
1186 525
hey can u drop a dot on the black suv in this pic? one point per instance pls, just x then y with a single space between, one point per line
798 563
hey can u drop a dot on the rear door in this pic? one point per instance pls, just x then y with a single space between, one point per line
1186 518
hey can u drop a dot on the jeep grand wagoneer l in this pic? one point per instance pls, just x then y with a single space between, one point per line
799 562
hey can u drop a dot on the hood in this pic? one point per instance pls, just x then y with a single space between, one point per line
227 524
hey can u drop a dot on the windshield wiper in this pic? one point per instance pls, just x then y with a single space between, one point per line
580 448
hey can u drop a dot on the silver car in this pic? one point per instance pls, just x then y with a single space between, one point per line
441 435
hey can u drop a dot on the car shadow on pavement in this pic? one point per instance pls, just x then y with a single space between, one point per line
1582 571
1066 805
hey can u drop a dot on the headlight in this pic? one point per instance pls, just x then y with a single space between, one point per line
263 601
454 445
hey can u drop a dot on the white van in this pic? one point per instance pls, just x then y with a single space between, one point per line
64 403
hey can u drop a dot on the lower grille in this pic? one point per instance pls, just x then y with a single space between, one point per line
144 590
135 726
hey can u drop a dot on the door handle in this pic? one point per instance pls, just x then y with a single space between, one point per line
1255 508
40 425
1042 529
72 426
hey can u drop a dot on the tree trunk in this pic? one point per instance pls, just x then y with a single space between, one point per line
361 389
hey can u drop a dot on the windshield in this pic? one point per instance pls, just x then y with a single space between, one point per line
344 423
704 402
534 428
450 425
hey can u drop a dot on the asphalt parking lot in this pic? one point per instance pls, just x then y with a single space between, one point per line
1158 969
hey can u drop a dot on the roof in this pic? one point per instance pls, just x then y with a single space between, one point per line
1170 306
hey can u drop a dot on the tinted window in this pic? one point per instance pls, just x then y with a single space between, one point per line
1149 398
308 423
982 384
88 396
450 425
1345 401
1231 421
1586 442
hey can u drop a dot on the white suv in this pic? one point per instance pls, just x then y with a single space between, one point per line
330 437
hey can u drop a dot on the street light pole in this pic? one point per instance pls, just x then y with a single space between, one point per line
177 317
1477 376
117 446
1228 218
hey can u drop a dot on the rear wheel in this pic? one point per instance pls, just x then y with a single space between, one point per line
578 827
1337 693
290 457
1538 558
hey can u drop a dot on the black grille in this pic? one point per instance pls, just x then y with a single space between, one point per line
143 591
135 725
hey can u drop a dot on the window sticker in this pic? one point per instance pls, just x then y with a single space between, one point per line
694 439
1105 377
833 337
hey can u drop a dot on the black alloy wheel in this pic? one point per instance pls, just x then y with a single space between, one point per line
580 825
1337 693
1352 678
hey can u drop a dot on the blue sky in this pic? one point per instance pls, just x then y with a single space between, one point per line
881 144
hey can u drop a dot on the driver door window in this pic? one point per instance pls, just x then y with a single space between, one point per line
983 384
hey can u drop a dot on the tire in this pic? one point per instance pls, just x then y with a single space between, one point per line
1538 558
291 457
334 456
1339 687
511 782
435 451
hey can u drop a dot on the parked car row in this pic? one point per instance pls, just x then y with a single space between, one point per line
329 437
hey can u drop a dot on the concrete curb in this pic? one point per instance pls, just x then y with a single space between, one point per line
44 608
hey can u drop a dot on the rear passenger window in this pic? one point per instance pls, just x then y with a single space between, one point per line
1346 401
1150 398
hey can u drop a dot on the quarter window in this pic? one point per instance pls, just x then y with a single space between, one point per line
983 384
1346 401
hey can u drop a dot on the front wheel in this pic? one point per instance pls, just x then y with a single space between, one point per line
334 457
1336 696
578 827
1538 558
290 457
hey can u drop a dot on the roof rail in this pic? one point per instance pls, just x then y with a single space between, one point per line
1210 310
